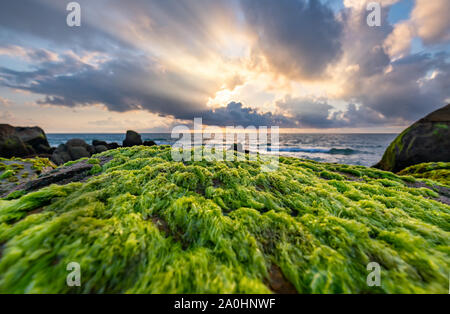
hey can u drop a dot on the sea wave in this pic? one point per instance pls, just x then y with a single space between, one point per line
331 151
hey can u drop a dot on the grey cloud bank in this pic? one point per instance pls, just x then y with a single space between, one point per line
300 40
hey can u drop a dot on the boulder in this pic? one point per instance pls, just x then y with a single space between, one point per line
77 152
112 145
76 142
149 143
90 149
97 143
23 141
427 140
100 149
74 149
132 139
36 138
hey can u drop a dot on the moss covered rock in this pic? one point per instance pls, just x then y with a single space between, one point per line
23 142
16 171
437 171
428 140
148 224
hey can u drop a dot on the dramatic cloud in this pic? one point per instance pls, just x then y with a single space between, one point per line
298 38
429 21
120 85
236 114
292 63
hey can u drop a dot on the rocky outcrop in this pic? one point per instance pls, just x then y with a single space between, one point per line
149 143
74 149
32 141
132 139
62 175
23 142
427 140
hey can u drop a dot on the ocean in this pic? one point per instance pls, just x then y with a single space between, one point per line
351 149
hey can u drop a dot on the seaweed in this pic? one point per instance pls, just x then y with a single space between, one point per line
148 224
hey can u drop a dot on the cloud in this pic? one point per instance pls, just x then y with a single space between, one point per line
431 20
172 58
121 85
297 38
235 114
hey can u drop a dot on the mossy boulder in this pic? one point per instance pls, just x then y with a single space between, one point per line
132 139
436 171
427 140
23 142
144 223
16 171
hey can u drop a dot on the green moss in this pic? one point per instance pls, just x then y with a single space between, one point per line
72 162
7 174
96 169
436 171
148 224
93 161
441 126
396 147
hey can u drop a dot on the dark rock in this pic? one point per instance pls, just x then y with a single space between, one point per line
237 147
427 140
74 149
90 149
60 158
76 142
149 143
36 138
112 145
77 152
132 139
97 143
23 141
100 149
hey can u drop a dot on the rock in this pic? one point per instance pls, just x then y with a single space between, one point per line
74 149
97 143
427 140
76 142
149 143
61 176
77 152
23 141
112 145
36 138
100 149
132 139
90 149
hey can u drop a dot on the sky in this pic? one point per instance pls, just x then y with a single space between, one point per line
150 65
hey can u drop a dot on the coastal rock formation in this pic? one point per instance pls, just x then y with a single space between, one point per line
149 143
23 142
15 171
74 149
132 139
427 140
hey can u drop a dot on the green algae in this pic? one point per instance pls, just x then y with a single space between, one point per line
15 171
148 224
436 171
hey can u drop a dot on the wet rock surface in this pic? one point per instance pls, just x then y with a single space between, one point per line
427 140
62 175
